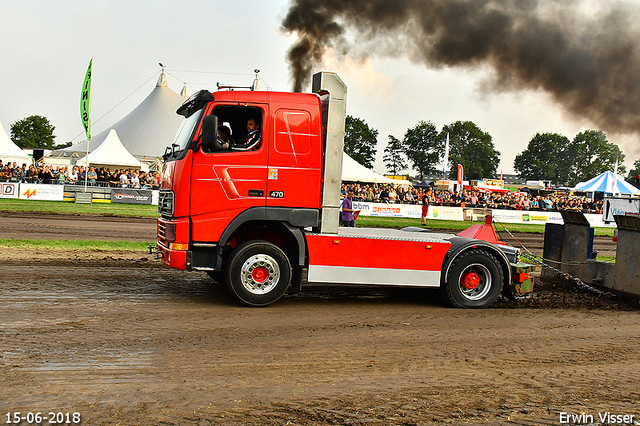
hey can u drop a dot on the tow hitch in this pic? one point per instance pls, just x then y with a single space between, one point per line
153 251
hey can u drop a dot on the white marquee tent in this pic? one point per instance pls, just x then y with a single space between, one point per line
112 153
609 183
149 128
9 151
352 171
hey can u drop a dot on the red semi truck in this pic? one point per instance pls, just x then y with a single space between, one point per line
257 219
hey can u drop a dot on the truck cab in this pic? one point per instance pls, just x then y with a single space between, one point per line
258 209
209 194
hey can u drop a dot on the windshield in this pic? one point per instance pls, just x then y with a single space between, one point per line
183 135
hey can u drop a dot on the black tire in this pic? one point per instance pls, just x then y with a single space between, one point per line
258 273
475 280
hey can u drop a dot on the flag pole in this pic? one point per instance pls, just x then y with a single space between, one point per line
615 177
445 160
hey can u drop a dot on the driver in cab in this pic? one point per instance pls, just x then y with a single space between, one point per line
252 140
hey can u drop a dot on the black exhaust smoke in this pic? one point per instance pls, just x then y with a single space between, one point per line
589 61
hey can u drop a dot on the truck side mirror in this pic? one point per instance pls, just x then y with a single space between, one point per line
210 134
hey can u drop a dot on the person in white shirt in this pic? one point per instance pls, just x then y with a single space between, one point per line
73 176
124 180
135 180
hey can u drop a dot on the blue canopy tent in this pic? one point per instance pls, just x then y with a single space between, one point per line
424 184
607 183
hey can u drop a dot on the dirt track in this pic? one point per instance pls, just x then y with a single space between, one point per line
124 341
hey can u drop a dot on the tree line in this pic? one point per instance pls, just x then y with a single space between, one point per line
35 131
552 156
423 147
548 156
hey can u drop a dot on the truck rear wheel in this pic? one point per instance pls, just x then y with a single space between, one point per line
258 273
475 280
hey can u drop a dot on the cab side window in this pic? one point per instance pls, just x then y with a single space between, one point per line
239 129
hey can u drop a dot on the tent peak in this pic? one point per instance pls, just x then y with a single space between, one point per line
607 183
162 80
111 152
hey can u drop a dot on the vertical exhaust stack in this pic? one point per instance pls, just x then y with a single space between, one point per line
333 92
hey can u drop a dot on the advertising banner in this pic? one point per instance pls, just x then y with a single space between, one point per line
469 214
619 206
475 214
596 220
445 213
387 210
491 184
8 190
524 216
32 191
85 102
131 196
446 156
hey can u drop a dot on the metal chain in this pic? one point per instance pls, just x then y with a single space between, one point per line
529 255
565 275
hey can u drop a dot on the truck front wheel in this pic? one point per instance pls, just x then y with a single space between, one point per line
258 273
475 280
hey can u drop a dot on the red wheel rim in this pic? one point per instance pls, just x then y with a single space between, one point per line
470 280
260 274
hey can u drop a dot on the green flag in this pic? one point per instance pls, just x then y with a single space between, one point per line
85 102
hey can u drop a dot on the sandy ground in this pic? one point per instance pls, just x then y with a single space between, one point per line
123 340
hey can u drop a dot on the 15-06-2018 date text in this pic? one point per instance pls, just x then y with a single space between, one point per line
50 418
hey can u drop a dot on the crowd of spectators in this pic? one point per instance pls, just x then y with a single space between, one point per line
386 193
377 193
76 175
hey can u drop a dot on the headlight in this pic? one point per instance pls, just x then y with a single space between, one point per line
170 232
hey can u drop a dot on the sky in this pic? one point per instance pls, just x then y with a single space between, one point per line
46 47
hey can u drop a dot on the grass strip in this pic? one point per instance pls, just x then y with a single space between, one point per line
609 259
76 245
70 208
